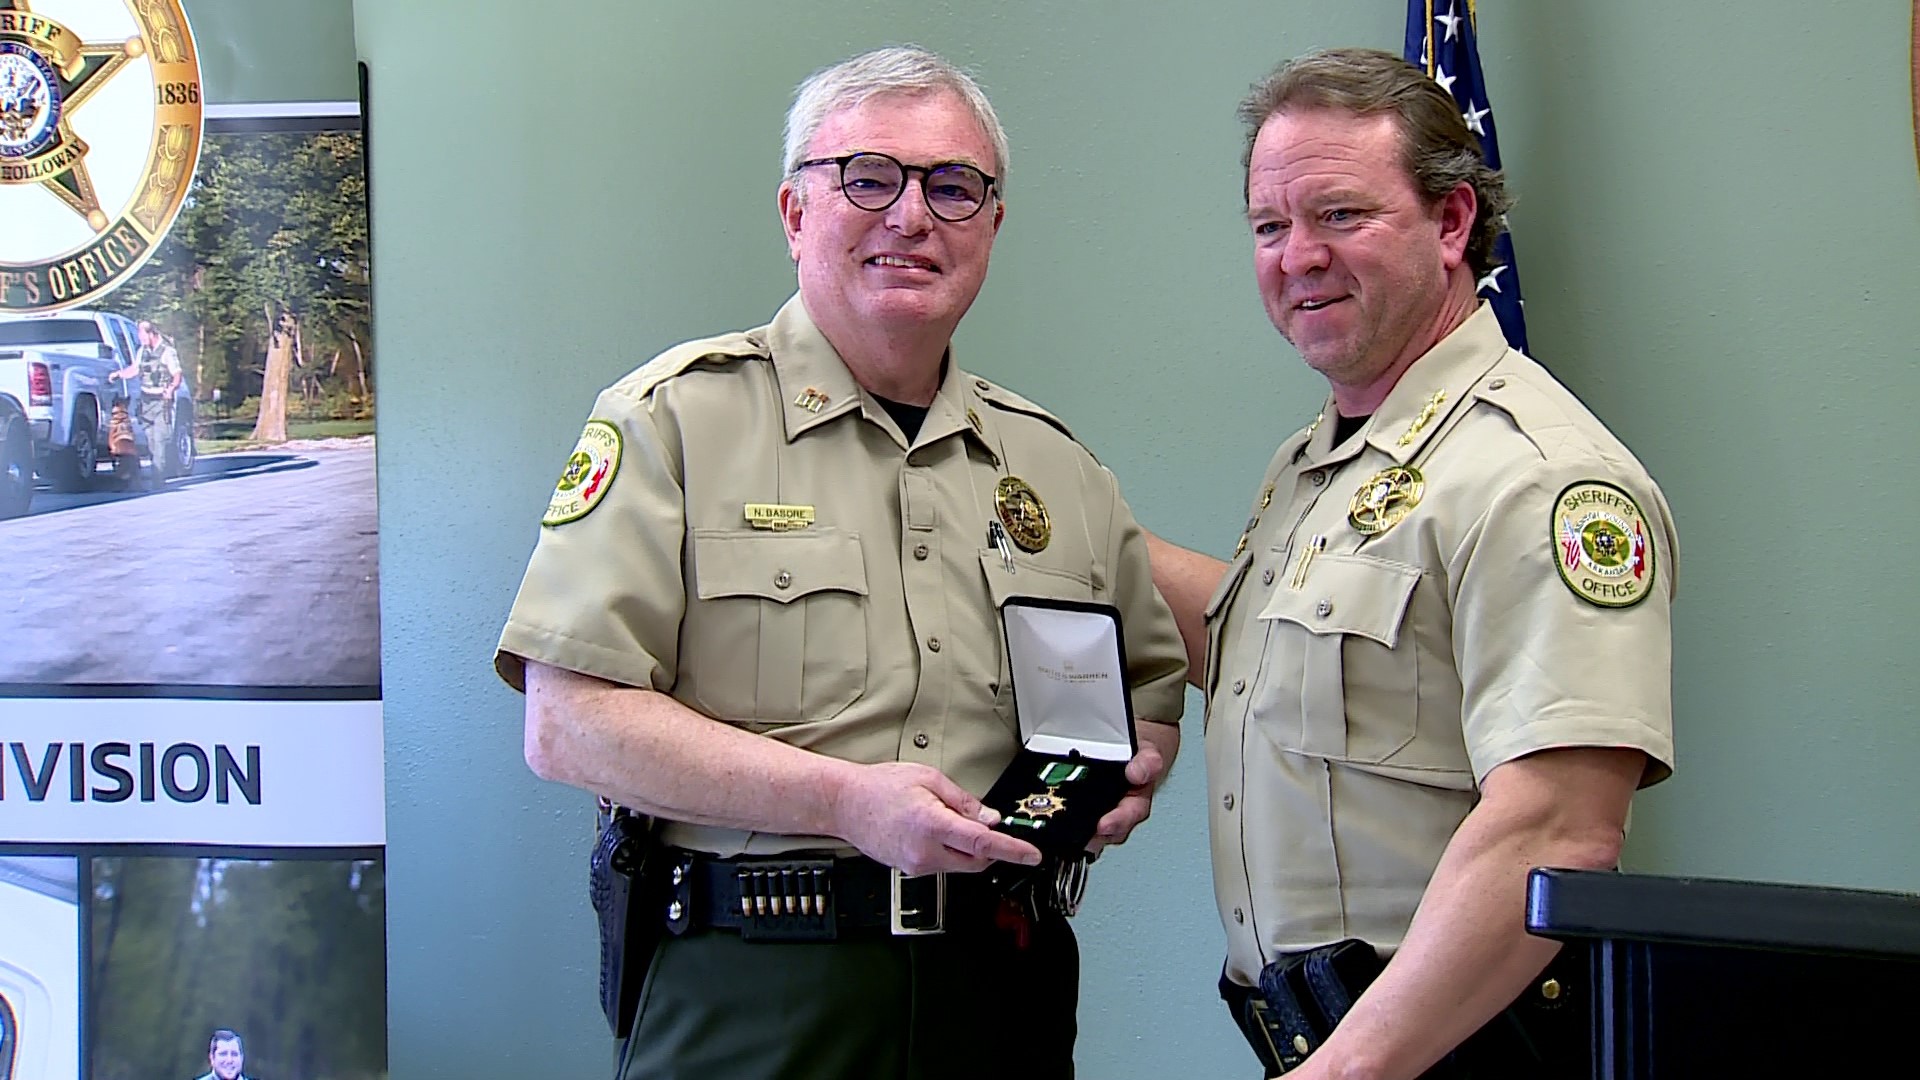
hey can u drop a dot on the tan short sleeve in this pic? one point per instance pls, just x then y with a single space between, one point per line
1563 617
603 592
1156 656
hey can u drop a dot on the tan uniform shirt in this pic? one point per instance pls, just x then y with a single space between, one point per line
871 633
1361 685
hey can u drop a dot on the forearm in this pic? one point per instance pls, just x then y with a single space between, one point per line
1187 580
1467 953
647 751
1466 956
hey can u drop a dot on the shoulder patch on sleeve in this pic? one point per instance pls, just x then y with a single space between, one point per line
1602 545
587 475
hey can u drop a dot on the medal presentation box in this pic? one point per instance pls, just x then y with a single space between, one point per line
1068 669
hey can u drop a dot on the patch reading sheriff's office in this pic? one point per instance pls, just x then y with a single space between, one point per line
1601 544
588 474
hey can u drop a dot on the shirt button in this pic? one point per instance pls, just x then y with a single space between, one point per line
933 643
920 552
1253 521
1318 478
1239 916
921 740
1267 578
1239 686
1496 384
782 579
1324 608
1227 801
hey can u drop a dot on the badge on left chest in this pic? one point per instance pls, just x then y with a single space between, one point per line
1386 499
1023 514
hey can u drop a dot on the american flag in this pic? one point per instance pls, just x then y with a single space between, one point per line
1441 39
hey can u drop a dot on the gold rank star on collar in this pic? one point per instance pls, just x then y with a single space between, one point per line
1426 416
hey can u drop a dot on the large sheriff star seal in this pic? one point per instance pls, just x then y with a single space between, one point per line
100 121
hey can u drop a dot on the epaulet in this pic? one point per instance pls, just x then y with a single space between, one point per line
642 380
1556 421
1002 398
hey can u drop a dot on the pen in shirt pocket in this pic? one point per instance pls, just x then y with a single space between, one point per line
997 538
1314 547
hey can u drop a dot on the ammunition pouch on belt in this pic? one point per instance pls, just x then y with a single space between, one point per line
624 882
642 889
818 896
1302 996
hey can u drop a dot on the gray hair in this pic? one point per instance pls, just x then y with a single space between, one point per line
898 69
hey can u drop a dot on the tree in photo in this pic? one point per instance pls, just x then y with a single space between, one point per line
289 954
263 285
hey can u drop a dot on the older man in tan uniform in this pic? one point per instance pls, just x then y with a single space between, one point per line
1440 653
764 609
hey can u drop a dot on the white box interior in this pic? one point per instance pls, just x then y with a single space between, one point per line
1068 688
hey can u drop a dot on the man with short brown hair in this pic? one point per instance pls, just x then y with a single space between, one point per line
225 1057
1440 654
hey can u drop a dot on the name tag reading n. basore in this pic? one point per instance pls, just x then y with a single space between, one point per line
779 517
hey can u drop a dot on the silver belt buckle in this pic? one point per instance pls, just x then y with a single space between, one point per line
928 913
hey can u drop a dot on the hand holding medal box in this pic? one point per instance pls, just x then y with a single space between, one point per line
1068 668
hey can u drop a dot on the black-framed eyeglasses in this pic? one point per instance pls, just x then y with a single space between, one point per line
874 181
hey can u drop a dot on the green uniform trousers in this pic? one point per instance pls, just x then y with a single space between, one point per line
982 1002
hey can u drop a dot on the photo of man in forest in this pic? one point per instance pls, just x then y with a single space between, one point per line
225 1057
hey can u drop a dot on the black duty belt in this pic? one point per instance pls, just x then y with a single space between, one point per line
819 898
1303 996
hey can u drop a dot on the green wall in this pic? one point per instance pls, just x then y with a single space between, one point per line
289 50
1718 226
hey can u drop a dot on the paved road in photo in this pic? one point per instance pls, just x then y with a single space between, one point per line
260 569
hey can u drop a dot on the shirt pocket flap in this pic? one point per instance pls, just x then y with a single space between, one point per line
782 567
1349 594
1030 579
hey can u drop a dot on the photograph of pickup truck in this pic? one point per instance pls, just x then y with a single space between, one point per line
40 914
187 486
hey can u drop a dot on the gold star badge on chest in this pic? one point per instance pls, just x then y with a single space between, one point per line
1023 514
1386 499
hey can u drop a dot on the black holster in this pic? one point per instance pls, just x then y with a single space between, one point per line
1542 1035
624 881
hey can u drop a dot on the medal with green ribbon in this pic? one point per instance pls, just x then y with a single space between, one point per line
1060 772
1042 806
1034 809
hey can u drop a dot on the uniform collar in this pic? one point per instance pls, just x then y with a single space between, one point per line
815 385
1431 388
809 369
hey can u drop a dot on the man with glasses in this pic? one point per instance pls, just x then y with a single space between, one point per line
763 614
